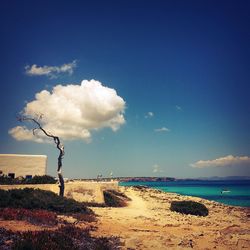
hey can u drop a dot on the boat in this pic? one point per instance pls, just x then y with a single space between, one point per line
225 191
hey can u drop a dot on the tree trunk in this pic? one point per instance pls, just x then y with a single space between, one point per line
59 169
59 146
61 184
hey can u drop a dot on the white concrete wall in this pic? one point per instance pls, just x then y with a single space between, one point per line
23 165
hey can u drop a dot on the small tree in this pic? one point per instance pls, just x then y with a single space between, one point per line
57 141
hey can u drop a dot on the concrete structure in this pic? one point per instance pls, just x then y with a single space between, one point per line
15 165
82 191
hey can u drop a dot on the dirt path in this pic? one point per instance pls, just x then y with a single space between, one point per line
147 223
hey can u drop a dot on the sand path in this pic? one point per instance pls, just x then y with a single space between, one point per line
147 223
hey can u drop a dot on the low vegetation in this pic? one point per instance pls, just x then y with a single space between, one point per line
67 237
114 198
29 198
40 217
41 207
44 179
189 207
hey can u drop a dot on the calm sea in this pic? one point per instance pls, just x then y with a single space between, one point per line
231 192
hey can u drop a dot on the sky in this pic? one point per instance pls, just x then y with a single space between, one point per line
136 88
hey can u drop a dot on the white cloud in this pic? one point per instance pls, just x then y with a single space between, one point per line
74 111
157 169
229 160
163 129
149 114
178 108
21 133
50 71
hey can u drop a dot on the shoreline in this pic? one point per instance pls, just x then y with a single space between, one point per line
221 197
148 223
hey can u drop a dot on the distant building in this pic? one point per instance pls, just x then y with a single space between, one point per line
16 165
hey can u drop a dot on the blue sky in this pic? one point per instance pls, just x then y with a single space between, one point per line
186 62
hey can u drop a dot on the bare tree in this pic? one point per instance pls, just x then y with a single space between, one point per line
57 141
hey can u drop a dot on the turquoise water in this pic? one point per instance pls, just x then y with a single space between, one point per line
237 192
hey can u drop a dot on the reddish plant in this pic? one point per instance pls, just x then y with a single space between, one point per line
33 216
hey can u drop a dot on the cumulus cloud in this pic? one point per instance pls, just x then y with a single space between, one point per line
163 129
21 133
229 160
50 71
74 111
149 114
157 169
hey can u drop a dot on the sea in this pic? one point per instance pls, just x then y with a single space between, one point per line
230 192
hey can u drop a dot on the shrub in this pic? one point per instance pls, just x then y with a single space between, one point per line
43 179
4 180
189 207
85 217
113 198
94 204
140 187
119 194
6 237
40 199
68 237
43 240
33 216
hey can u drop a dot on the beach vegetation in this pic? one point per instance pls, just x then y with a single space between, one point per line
140 187
37 179
113 198
40 217
189 207
67 237
43 179
30 198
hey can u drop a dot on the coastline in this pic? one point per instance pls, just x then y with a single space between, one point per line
147 222
229 192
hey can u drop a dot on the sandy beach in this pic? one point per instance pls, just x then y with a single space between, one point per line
148 223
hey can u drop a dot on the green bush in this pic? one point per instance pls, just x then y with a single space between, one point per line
114 198
40 199
189 207
4 180
37 179
44 179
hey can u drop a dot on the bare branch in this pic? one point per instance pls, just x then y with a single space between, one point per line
57 141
